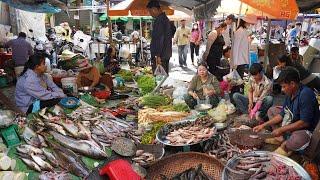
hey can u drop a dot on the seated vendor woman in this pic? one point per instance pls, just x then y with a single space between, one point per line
90 76
259 100
203 86
294 123
34 89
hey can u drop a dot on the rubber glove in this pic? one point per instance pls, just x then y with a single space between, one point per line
255 109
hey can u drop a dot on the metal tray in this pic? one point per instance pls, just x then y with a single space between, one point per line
299 169
167 143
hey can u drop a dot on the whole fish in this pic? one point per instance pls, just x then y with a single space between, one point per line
81 146
43 164
50 157
69 161
28 149
31 164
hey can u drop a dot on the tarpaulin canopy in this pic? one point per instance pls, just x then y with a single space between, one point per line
280 9
135 8
45 6
233 7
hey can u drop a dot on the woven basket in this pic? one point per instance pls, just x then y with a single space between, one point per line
177 163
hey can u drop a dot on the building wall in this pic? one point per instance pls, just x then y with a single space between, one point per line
4 14
63 17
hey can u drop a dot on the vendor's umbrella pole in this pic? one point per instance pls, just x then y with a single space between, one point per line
109 21
266 58
141 53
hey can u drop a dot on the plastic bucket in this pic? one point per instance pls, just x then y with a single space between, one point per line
69 85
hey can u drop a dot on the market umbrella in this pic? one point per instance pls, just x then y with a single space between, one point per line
279 9
135 8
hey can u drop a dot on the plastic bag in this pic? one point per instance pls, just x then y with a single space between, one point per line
179 93
160 71
233 78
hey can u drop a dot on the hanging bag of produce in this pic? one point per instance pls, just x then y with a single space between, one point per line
160 73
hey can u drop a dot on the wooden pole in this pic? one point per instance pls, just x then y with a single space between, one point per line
77 13
109 22
266 57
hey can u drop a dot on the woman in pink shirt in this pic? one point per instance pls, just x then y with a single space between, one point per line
195 41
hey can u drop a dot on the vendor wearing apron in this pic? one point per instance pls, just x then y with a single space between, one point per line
298 117
34 89
90 76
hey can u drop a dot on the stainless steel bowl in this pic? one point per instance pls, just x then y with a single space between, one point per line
203 107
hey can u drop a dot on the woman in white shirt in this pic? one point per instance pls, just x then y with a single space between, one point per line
241 45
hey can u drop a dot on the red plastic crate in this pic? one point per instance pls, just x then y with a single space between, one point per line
119 170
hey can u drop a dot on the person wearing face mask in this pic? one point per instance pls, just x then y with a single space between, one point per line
195 40
203 86
241 45
259 100
34 89
214 49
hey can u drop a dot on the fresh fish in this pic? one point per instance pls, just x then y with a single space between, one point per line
81 146
28 149
42 141
28 156
69 161
84 132
43 164
50 157
31 137
31 164
54 175
57 128
71 128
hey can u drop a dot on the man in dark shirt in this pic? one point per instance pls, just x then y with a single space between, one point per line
161 43
297 118
21 50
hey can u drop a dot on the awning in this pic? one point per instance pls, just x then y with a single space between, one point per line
135 8
277 9
49 6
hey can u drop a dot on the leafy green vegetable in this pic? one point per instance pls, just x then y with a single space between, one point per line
146 84
148 137
180 107
126 75
155 100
